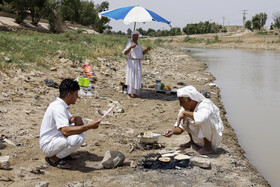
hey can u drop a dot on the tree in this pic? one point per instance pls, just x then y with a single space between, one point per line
36 9
256 22
129 31
259 20
20 7
7 6
263 18
248 25
69 10
101 25
276 19
87 13
55 23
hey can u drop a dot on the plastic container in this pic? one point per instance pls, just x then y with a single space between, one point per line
158 84
84 82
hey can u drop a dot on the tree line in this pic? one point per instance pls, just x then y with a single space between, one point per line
57 12
259 20
86 13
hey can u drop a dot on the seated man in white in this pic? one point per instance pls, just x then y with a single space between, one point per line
200 118
61 133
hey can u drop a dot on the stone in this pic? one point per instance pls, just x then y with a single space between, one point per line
112 159
42 184
4 162
200 162
2 146
53 69
7 59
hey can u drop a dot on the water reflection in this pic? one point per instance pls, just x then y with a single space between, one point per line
249 82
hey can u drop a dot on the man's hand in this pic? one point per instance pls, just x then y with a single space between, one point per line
168 133
94 124
133 46
180 118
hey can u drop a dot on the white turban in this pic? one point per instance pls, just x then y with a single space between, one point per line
134 32
191 92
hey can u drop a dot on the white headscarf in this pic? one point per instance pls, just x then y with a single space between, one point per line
191 92
134 32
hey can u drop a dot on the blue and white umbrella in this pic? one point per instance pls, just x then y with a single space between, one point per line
133 14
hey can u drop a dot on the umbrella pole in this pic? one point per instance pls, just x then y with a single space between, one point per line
134 26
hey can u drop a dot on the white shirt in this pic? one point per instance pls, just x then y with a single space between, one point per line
56 117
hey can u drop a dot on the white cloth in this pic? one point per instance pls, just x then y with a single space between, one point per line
207 122
63 146
56 117
134 66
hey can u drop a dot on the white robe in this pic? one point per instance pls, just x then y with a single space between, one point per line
134 67
207 124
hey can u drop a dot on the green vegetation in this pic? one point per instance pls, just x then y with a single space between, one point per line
202 28
26 48
262 33
257 22
193 40
74 11
215 40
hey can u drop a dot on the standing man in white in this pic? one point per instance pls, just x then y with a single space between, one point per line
134 54
61 133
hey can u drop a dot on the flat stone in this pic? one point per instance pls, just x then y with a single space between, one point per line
200 162
42 184
4 162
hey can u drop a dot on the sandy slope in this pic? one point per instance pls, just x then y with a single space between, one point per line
24 98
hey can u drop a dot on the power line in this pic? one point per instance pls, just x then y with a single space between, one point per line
244 17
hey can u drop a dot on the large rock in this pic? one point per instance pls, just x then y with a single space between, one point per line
200 162
112 159
4 162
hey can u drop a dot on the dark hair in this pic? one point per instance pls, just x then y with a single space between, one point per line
66 86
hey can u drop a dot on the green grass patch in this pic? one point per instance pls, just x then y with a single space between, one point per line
193 40
262 33
30 48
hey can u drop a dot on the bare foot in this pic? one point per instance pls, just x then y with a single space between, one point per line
129 96
186 145
204 151
134 95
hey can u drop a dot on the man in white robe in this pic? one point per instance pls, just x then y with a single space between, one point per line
134 54
200 118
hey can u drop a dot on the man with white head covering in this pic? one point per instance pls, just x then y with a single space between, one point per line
200 118
134 54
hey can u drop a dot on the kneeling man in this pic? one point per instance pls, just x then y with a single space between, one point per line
61 133
200 118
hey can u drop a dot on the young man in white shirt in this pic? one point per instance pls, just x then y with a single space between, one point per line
61 133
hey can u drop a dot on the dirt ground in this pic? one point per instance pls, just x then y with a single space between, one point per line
24 98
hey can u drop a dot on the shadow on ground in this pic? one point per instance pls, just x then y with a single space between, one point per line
80 163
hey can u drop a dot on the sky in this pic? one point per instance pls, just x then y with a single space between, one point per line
183 12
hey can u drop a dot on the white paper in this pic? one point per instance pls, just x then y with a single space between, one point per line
107 112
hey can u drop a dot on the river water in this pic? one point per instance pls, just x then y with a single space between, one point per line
250 90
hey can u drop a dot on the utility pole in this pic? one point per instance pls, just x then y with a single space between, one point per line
223 20
244 17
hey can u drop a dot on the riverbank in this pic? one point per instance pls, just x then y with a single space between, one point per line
239 40
22 109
